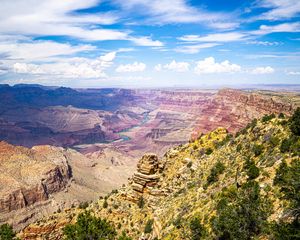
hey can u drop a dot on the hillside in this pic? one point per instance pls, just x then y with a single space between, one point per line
217 186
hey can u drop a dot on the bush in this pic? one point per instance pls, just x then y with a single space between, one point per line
7 232
251 169
124 237
216 170
141 202
83 205
105 204
267 118
197 229
208 151
257 149
148 226
281 115
295 122
241 214
285 145
89 227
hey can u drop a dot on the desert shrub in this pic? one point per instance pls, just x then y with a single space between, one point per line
189 164
252 124
148 226
257 149
88 226
141 202
83 205
197 230
251 169
238 147
7 232
124 237
295 122
208 151
105 204
216 170
274 141
281 115
288 179
241 214
267 118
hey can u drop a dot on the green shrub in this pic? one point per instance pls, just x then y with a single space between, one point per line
141 202
267 118
251 169
295 122
274 141
208 151
241 214
89 227
105 204
148 226
7 232
83 205
198 231
216 170
124 237
257 149
281 115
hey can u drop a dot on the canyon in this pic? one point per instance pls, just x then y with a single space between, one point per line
64 146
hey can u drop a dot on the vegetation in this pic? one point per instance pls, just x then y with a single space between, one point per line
148 226
257 149
217 169
295 122
251 169
141 202
89 227
241 213
267 118
197 230
7 232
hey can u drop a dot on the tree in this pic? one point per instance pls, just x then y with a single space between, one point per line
89 227
216 170
7 232
241 213
197 229
295 122
251 169
148 226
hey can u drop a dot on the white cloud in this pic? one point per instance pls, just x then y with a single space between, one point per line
135 67
177 66
293 73
284 27
40 49
158 67
263 70
146 41
216 37
68 67
178 11
208 65
264 43
280 9
192 49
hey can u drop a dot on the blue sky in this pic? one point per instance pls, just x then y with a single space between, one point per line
149 43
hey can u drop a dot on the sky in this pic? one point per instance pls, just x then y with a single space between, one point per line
149 43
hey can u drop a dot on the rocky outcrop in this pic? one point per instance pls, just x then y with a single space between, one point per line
146 176
29 176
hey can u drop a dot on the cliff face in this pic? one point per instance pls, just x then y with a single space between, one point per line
29 176
233 109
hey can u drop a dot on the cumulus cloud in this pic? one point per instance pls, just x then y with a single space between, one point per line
146 41
192 49
134 67
209 65
263 70
177 66
69 67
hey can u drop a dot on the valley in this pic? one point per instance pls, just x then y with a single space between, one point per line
98 135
